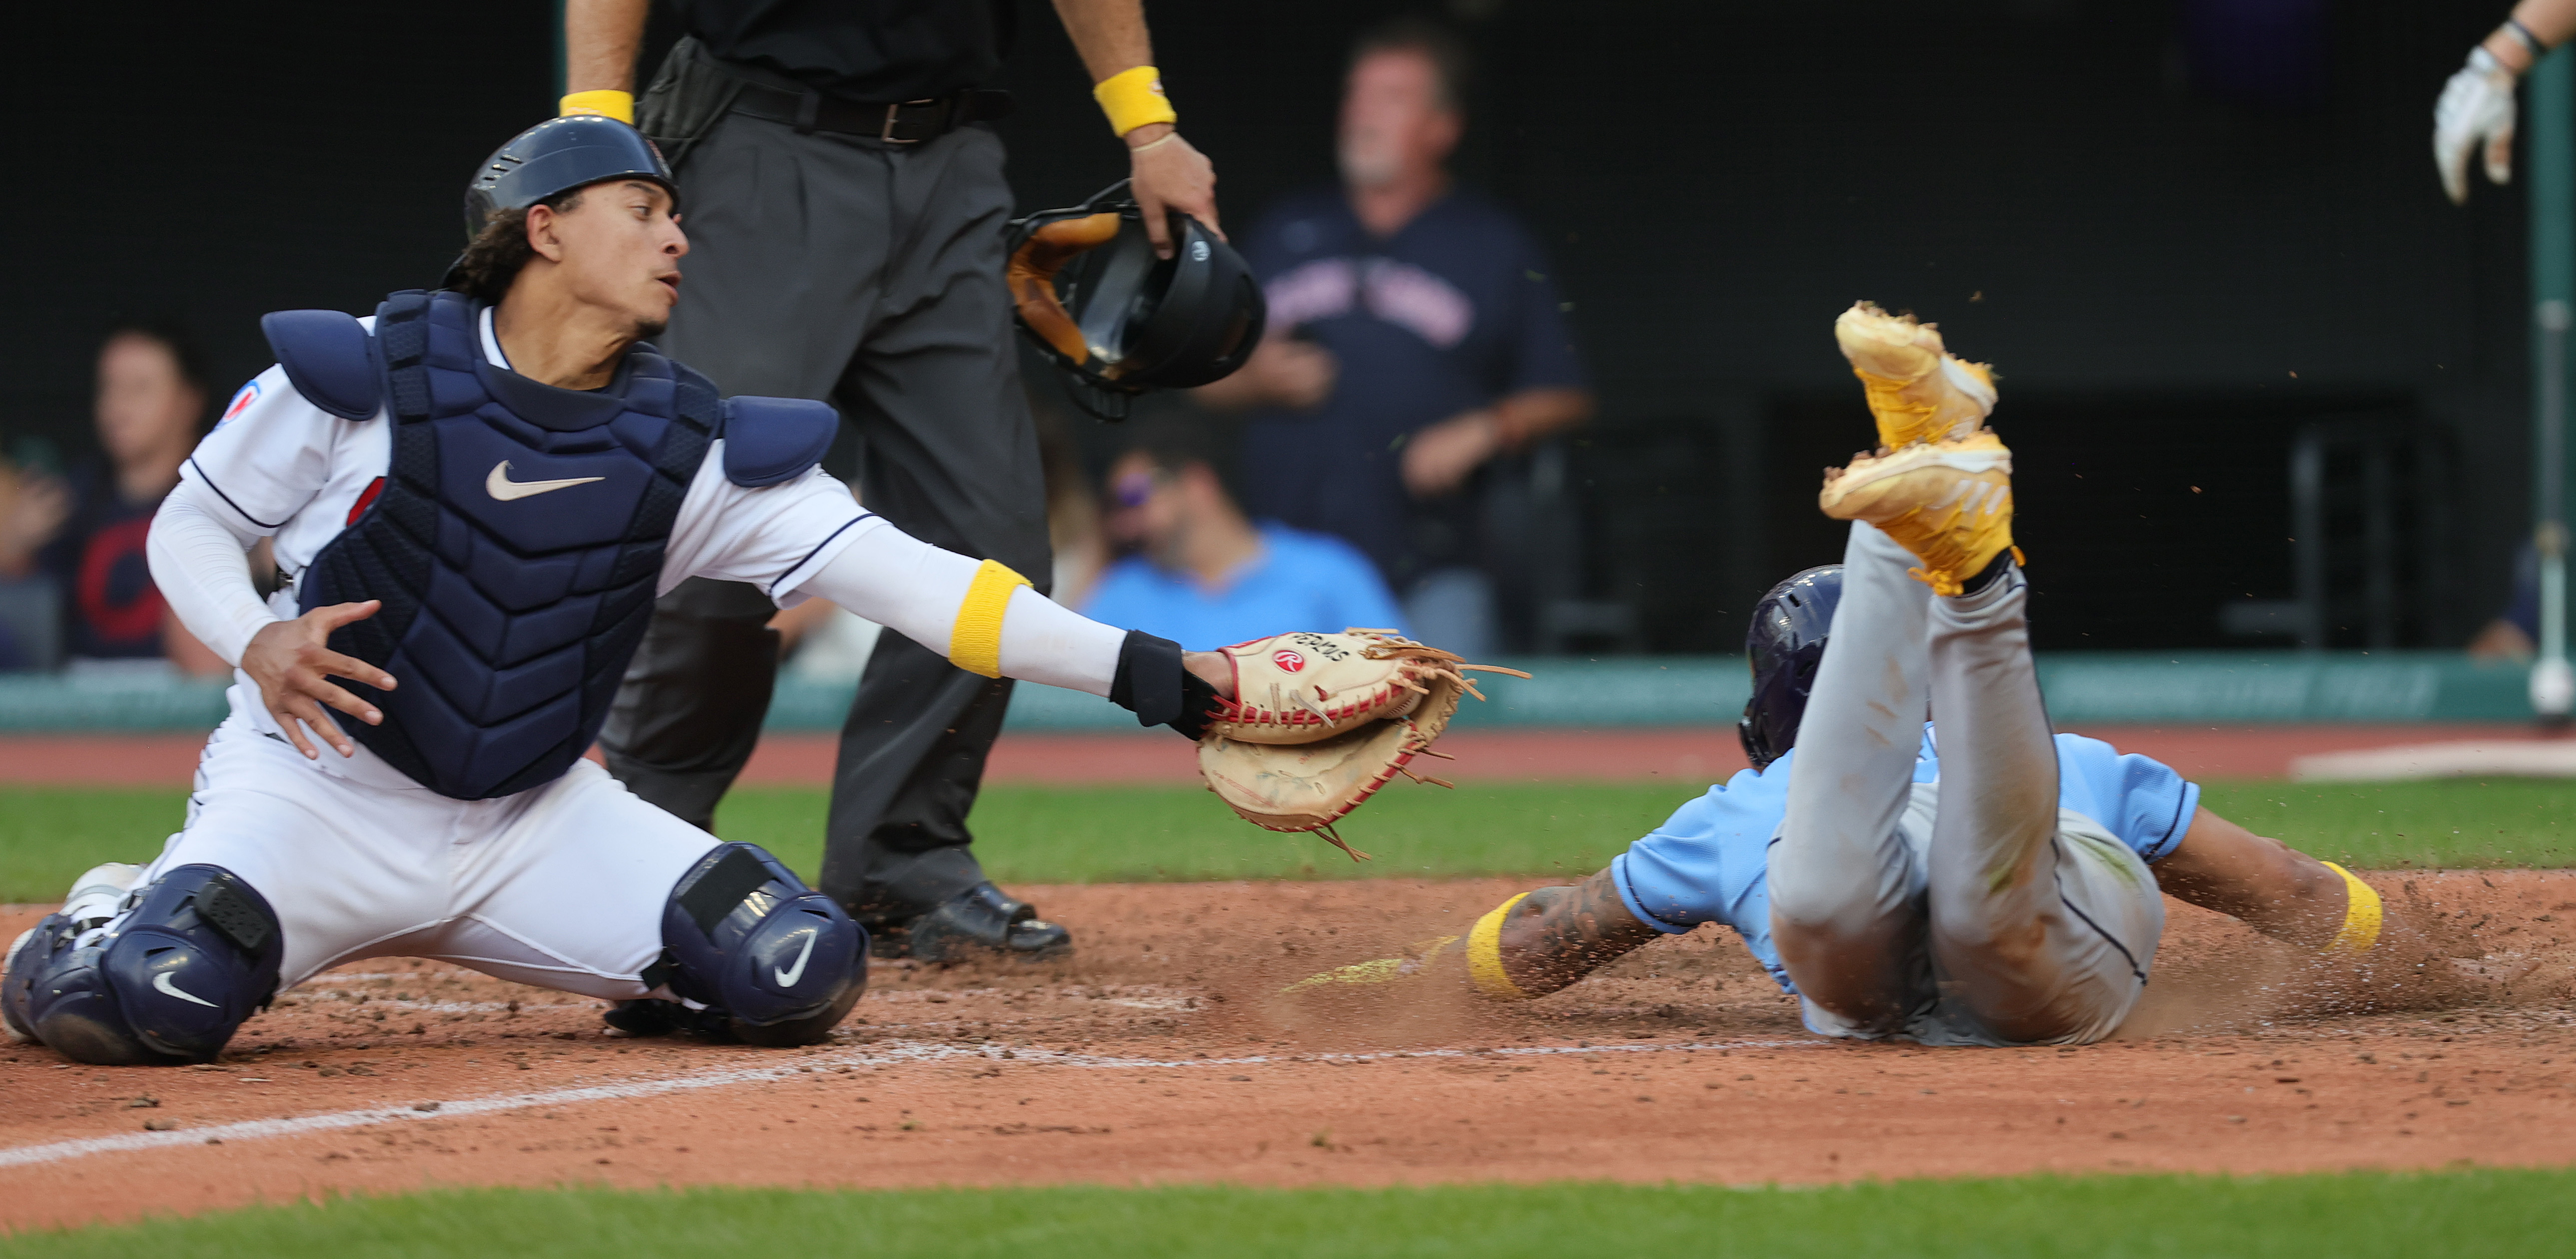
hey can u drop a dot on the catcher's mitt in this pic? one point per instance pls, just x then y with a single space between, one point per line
1319 722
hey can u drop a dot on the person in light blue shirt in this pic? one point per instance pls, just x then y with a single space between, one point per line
1972 879
1201 574
1718 857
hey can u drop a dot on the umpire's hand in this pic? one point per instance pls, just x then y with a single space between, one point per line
1167 174
294 664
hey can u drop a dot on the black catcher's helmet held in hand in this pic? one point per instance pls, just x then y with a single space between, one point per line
557 156
1087 290
1784 645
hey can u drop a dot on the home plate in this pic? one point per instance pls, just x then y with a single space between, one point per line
2535 758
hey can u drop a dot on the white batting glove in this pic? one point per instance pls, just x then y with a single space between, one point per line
2476 107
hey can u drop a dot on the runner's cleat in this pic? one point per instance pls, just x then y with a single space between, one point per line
1917 391
1949 502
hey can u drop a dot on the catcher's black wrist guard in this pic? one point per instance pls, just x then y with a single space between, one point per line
1153 684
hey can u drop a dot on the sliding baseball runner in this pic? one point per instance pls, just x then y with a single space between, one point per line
1973 880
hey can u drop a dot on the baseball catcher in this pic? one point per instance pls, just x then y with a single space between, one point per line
475 497
1975 880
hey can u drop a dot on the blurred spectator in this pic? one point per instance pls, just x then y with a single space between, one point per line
82 534
1204 576
32 507
1414 336
2514 635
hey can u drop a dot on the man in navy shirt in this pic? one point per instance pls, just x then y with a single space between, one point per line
1414 336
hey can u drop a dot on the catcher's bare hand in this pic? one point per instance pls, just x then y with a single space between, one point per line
1166 173
293 664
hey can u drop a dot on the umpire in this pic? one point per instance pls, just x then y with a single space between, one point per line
845 214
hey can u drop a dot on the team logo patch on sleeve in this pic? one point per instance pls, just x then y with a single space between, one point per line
241 401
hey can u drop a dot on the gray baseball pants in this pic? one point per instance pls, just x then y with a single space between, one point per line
1974 910
868 274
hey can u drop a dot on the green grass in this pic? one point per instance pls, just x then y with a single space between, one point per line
1104 834
1118 834
48 835
2457 823
2351 1216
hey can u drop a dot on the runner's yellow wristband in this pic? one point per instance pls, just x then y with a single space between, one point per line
1485 954
975 644
604 102
2361 915
1134 98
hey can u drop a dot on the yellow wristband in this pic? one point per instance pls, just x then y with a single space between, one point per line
604 102
975 644
1134 98
2361 915
1485 954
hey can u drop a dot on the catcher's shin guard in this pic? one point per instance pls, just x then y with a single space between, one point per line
197 956
777 962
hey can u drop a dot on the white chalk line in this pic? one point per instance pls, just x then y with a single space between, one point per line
897 1054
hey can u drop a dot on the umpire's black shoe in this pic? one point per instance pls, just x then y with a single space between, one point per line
980 920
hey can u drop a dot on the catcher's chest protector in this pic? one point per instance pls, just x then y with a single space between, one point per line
515 543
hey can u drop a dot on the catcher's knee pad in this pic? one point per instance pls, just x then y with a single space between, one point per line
743 935
196 957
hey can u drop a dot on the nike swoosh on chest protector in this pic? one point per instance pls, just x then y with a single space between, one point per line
788 978
161 983
500 486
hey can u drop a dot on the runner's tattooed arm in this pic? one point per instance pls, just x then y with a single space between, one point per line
1561 934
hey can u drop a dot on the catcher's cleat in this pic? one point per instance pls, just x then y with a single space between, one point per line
1949 502
1918 391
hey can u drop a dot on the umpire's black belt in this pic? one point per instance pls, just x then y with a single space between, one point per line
893 122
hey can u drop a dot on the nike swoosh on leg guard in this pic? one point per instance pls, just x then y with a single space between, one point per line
161 983
787 978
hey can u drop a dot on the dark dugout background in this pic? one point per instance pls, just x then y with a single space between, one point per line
2182 231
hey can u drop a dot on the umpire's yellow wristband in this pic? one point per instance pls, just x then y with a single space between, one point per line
1485 954
975 644
1134 98
2361 915
604 102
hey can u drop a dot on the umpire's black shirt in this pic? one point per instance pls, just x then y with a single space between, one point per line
860 50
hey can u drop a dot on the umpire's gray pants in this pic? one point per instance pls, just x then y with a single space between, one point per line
1972 911
828 266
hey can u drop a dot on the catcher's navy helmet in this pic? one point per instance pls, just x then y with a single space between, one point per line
1087 290
557 156
1784 645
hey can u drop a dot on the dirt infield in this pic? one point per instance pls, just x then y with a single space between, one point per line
1162 1053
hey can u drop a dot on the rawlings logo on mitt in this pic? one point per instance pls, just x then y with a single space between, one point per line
1302 688
1319 722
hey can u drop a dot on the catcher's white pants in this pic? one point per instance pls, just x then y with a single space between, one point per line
1974 910
561 886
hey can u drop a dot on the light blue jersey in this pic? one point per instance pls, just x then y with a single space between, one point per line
1708 861
1300 580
